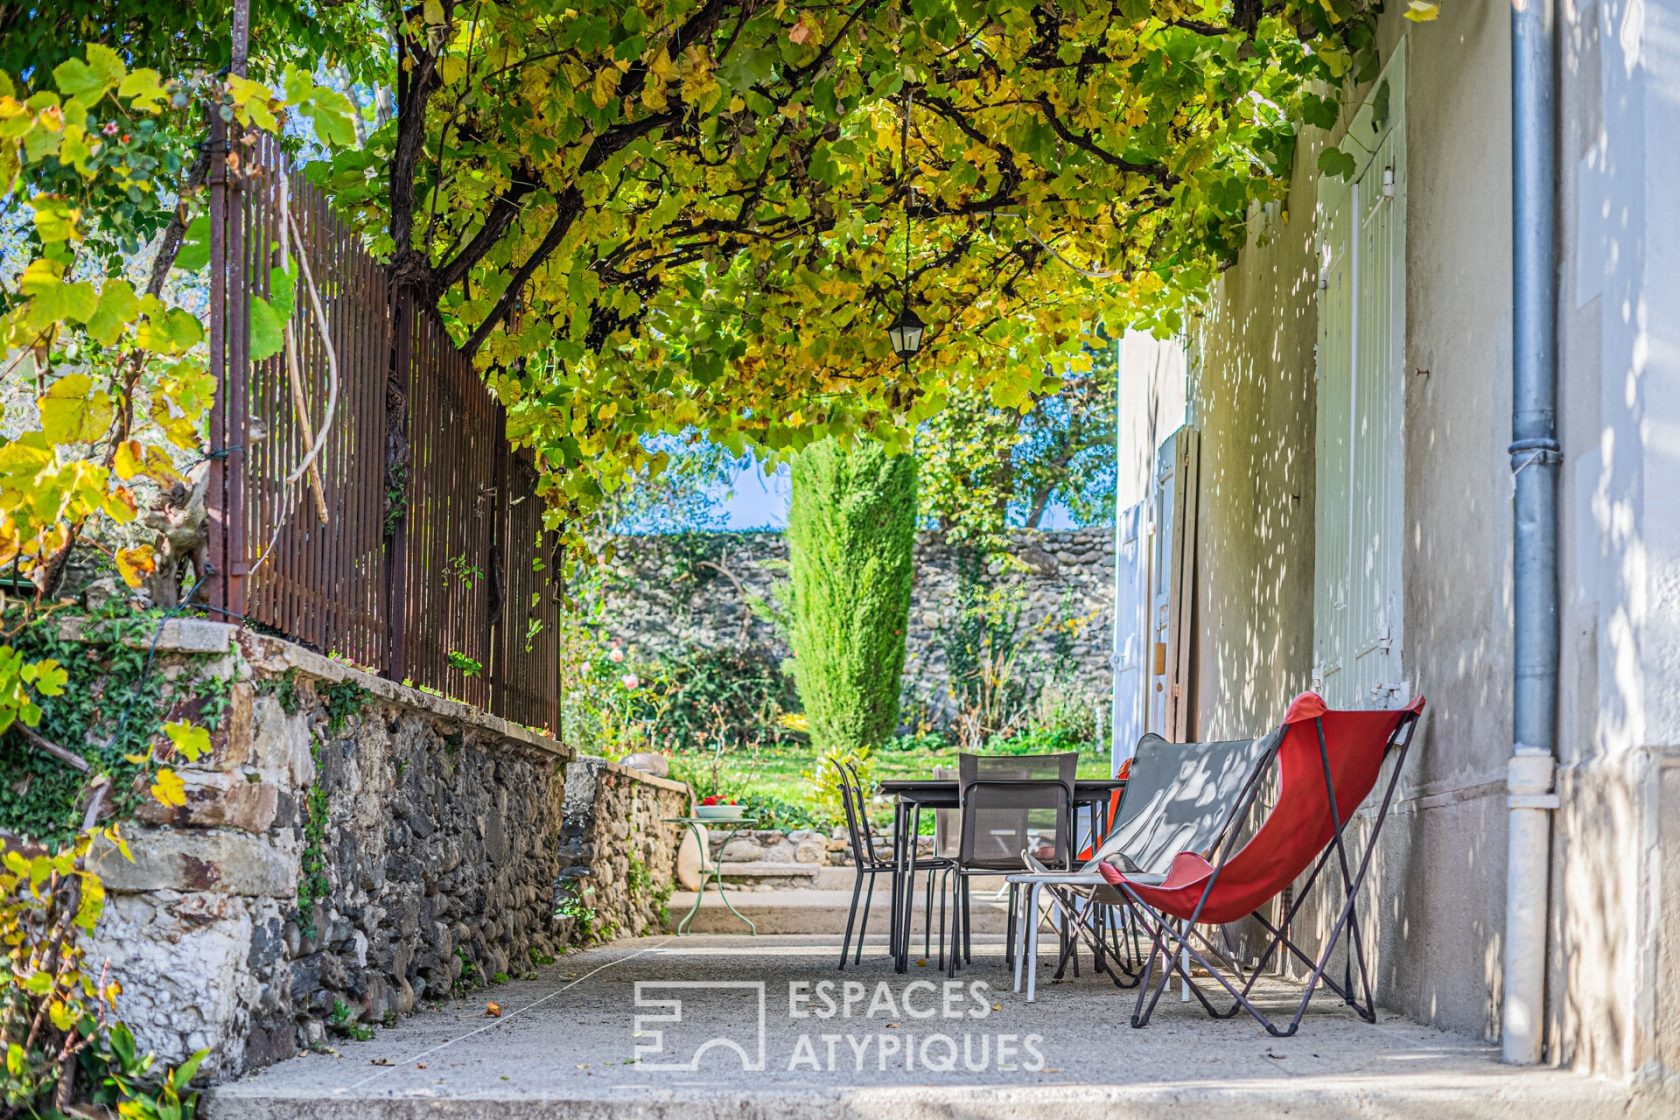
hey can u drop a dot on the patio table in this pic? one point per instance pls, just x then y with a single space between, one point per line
942 793
714 873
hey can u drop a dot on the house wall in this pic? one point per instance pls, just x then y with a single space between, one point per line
1440 876
1616 885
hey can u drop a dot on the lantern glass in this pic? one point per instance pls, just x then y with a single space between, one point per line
906 333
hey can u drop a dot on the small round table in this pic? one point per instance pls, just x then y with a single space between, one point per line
714 873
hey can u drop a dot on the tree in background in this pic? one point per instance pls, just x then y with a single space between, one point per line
986 469
851 537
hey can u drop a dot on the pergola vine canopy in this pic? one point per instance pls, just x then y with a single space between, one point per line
676 214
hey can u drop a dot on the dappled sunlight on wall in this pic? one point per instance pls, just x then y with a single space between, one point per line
1252 363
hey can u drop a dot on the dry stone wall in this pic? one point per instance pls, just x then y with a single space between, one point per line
349 848
671 593
618 854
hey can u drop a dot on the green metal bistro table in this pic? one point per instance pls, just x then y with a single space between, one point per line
714 873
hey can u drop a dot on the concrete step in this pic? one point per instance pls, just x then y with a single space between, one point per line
790 875
810 911
772 874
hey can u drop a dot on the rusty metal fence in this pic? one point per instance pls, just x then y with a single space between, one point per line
412 543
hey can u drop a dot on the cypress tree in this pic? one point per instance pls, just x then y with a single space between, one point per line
851 537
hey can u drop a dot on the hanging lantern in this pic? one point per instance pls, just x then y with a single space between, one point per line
906 333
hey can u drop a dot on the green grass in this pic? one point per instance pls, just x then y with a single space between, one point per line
775 775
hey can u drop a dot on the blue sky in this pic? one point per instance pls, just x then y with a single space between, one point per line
758 499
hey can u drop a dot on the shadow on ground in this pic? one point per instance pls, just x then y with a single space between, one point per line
732 1026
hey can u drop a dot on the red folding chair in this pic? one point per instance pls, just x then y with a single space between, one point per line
1327 763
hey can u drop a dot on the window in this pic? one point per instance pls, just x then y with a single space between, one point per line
1359 530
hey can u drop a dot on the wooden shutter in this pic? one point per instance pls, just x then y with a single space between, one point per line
1129 610
1361 353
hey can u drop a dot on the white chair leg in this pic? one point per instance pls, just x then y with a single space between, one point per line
1032 943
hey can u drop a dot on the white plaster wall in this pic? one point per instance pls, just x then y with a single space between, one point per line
1615 979
1151 400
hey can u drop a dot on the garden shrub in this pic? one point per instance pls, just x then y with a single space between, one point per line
736 695
851 538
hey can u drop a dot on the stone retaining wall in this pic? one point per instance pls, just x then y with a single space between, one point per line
665 594
349 848
618 857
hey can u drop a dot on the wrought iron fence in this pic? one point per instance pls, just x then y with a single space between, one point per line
412 542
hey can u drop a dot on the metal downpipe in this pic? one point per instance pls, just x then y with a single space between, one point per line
1535 456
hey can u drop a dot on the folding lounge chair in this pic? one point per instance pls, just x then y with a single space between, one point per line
1179 797
1327 763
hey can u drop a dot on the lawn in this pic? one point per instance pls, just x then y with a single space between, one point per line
776 779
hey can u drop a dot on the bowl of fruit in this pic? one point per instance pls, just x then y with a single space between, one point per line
719 809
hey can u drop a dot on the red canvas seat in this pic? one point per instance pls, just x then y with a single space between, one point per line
1321 752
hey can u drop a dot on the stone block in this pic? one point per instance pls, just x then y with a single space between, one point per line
742 850
225 862
217 800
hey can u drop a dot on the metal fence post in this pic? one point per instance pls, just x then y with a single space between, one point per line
398 479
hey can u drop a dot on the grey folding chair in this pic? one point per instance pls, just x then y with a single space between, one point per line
1009 804
1180 797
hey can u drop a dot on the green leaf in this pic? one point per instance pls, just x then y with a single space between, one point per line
1336 163
195 246
118 307
267 330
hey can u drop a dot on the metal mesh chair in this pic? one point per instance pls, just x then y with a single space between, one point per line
1011 805
872 856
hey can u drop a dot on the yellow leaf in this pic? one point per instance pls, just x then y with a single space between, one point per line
190 740
144 90
129 459
133 564
120 505
56 220
169 332
251 102
603 87
73 411
169 788
452 68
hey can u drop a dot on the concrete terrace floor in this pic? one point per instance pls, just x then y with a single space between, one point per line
568 1044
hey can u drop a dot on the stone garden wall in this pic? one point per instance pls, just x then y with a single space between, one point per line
665 594
618 857
350 848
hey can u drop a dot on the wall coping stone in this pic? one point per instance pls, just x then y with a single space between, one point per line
633 774
278 655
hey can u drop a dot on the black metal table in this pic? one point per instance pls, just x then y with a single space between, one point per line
941 793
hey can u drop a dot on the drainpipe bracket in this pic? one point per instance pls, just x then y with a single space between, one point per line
1528 778
1543 452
